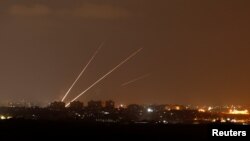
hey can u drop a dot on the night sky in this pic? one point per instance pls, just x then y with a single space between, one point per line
196 52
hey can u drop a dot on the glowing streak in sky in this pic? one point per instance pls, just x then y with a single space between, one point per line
103 77
134 80
91 59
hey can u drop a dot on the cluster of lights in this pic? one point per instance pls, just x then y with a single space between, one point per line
238 112
202 110
233 120
2 117
122 106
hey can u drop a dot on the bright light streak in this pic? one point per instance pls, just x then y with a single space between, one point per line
134 80
91 59
103 77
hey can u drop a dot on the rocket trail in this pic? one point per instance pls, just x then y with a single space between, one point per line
104 76
91 59
134 80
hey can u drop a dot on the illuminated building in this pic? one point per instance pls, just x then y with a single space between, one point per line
202 110
238 112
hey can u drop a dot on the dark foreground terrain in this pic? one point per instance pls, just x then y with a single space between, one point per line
75 130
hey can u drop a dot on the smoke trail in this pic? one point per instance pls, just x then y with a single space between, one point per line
91 59
134 80
103 77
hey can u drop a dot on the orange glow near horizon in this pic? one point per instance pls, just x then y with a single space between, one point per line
202 110
238 112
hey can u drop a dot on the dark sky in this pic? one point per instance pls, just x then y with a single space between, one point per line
197 52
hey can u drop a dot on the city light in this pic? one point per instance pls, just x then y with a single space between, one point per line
165 122
202 110
2 117
106 113
223 120
150 110
238 112
210 108
177 108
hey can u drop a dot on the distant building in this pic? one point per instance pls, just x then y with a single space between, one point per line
134 108
110 104
160 108
134 111
95 104
20 104
76 105
57 105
